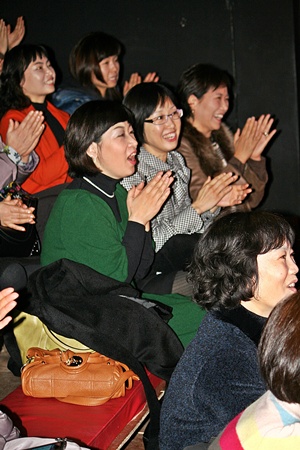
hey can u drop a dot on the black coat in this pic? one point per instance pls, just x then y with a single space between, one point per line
78 302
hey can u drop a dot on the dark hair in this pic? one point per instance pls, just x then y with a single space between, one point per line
197 80
86 125
279 350
15 63
86 55
224 268
142 100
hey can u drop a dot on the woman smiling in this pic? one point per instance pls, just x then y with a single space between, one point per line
27 78
208 145
177 226
243 266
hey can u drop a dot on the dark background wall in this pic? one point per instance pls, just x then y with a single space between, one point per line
256 41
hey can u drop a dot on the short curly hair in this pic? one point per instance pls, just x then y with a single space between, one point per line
224 267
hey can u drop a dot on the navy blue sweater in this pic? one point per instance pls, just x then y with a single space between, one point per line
216 378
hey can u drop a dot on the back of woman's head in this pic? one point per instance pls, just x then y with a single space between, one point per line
279 350
15 63
224 267
143 99
88 53
197 80
86 125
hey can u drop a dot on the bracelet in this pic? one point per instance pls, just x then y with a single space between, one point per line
6 149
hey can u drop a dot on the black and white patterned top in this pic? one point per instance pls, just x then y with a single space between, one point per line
177 216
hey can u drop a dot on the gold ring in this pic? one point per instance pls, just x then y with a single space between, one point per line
265 133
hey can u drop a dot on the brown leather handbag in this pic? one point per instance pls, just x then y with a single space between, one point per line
89 379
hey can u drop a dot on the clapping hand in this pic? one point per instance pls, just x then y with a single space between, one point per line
24 137
7 302
16 36
135 79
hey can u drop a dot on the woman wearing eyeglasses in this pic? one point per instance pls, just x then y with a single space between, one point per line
177 226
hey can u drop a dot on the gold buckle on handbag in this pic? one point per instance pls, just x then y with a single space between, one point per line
75 361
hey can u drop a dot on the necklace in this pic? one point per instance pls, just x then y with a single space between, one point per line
99 189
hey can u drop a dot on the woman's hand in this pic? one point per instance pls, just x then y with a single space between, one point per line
7 303
13 213
245 141
135 79
151 77
264 125
144 202
212 191
3 37
16 36
236 196
24 136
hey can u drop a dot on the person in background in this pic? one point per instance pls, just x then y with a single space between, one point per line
177 226
208 145
273 421
94 64
9 38
26 80
16 165
243 266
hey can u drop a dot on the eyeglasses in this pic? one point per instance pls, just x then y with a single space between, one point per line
160 120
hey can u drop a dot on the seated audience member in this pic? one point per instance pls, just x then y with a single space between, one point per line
95 67
177 226
243 266
94 221
101 149
272 422
27 78
8 38
208 145
17 161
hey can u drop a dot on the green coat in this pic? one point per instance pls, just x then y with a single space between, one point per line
75 230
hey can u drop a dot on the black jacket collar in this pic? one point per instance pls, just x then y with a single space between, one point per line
249 323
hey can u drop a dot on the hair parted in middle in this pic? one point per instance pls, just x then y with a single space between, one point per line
224 268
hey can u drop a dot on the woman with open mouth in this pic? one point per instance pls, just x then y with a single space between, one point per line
177 226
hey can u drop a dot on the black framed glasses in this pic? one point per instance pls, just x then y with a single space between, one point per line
160 120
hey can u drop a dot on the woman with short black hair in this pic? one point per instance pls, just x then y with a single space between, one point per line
242 267
177 226
94 64
26 80
208 145
94 221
